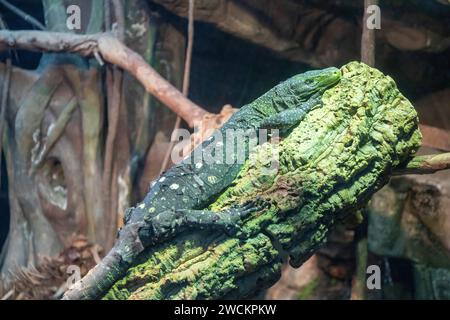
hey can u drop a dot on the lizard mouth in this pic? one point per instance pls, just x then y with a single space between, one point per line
332 78
328 78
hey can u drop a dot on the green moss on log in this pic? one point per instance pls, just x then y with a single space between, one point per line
329 166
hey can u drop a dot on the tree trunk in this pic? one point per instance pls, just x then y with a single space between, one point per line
75 158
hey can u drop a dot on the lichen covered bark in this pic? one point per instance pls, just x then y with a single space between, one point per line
328 166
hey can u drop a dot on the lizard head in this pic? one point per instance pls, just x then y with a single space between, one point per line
311 82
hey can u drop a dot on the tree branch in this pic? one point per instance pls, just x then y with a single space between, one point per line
368 37
425 164
186 78
112 51
25 16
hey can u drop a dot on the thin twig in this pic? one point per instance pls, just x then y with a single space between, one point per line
190 47
114 84
25 16
368 37
99 59
94 250
107 19
120 19
107 161
186 79
8 295
358 291
114 102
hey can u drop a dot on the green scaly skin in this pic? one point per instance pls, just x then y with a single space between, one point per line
329 166
177 200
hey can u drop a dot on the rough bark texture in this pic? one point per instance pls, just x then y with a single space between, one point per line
329 166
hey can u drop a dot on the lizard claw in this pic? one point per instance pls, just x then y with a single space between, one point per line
238 212
235 214
253 206
235 231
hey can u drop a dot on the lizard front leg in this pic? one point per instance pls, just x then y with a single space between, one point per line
286 119
168 223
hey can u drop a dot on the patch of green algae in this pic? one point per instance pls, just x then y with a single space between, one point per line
329 166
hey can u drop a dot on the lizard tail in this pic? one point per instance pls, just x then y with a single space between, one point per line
99 279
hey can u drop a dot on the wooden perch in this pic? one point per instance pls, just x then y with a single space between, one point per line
112 51
328 167
426 164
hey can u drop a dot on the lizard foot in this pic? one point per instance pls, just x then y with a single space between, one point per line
238 212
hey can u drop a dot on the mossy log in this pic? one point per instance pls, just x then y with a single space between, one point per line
328 167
